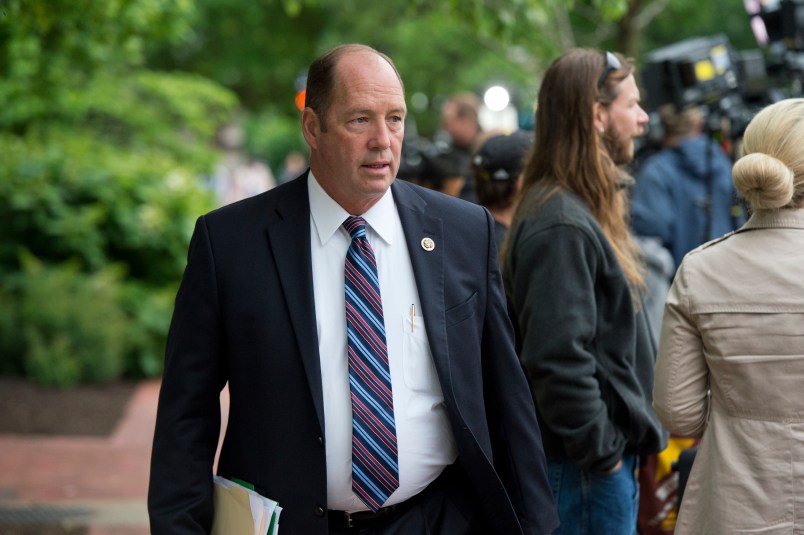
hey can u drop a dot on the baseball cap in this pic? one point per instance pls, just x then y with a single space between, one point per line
502 156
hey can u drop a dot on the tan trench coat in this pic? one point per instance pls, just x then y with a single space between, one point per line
731 369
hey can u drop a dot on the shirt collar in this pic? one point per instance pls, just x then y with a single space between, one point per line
328 215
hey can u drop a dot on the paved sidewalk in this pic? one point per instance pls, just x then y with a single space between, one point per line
100 482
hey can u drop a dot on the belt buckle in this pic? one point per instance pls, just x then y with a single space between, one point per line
349 522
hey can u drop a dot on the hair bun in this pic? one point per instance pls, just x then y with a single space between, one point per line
764 181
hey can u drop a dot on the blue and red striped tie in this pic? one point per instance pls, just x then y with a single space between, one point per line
375 469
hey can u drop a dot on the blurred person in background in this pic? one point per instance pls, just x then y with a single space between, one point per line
338 306
572 276
442 170
683 194
731 357
658 273
293 165
238 175
497 169
460 119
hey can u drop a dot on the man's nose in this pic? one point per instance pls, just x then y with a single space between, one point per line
380 137
643 116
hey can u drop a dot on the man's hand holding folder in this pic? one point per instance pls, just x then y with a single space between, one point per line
239 510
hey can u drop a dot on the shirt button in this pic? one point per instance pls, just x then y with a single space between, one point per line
321 440
319 511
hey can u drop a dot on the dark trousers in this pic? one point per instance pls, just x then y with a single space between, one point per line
448 506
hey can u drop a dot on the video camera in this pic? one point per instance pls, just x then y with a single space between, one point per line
693 72
727 84
704 72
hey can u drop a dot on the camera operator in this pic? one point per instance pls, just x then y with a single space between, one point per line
683 193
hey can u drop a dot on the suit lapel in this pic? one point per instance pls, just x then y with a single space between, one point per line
289 240
428 269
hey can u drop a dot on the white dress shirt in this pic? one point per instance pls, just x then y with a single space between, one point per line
424 439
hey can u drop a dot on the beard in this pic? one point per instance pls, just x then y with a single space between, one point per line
619 147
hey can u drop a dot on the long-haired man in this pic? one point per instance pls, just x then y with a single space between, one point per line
573 280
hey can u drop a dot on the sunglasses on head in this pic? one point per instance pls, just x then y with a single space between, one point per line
612 64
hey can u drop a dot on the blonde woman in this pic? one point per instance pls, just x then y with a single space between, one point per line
731 358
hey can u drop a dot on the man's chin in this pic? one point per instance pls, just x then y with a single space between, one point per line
624 155
629 155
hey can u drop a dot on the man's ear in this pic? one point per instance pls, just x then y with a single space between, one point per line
600 117
311 127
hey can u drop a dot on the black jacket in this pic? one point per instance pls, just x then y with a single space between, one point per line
589 356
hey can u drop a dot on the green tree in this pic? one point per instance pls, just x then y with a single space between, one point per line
259 50
100 182
547 27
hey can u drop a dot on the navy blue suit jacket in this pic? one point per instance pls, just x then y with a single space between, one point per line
245 314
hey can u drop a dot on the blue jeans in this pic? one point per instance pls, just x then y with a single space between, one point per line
592 504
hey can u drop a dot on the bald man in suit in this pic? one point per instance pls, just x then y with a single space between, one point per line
261 306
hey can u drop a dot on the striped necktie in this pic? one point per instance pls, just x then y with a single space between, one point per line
375 471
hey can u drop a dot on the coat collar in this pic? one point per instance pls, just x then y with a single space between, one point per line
783 218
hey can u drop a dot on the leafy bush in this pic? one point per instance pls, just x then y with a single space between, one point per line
149 311
270 136
50 49
103 193
12 341
73 329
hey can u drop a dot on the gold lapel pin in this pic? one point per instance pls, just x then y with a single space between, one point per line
428 244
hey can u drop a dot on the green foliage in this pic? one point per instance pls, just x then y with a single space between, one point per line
700 19
254 48
101 180
270 136
12 340
259 49
119 185
52 47
611 10
72 327
149 310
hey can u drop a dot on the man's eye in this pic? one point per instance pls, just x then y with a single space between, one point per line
396 119
360 120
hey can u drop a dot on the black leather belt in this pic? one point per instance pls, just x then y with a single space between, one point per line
353 522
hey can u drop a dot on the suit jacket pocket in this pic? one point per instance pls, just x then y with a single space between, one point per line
462 311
